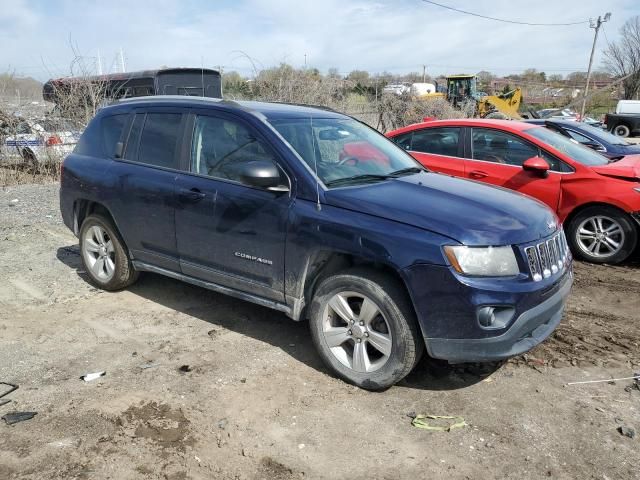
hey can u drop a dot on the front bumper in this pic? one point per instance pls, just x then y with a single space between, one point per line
448 309
528 330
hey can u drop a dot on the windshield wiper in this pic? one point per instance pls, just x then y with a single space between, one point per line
406 171
356 179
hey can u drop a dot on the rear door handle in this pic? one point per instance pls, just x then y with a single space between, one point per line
191 196
478 174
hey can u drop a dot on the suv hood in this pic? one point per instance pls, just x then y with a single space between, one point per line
627 167
469 212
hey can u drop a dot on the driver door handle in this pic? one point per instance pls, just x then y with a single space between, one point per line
190 196
478 174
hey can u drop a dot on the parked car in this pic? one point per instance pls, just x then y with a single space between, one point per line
598 201
36 141
314 214
623 124
603 142
565 114
396 88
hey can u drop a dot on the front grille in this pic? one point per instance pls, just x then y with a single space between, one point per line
547 258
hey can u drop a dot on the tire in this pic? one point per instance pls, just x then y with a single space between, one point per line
604 226
497 115
104 255
29 159
621 130
378 354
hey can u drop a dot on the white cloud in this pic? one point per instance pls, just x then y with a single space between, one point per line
397 36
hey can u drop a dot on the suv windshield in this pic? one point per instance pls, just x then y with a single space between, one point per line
575 151
345 151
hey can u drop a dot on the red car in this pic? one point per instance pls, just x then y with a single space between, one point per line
598 201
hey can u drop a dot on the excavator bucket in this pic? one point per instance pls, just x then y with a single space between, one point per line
507 104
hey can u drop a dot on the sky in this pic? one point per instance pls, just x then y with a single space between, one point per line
38 37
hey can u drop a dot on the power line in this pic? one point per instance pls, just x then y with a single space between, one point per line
503 19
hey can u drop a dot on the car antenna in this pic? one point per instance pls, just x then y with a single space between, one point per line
315 165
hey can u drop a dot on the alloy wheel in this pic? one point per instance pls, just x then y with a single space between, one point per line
600 236
99 253
356 332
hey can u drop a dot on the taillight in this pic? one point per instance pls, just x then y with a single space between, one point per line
53 140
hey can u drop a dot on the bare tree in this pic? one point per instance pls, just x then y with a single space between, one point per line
623 57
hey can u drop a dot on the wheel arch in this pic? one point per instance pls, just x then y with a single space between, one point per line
82 208
573 213
325 263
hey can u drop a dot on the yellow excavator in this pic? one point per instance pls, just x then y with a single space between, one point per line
463 88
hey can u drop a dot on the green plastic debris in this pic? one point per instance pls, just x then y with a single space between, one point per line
422 421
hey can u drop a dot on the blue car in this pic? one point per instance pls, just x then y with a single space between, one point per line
314 214
611 146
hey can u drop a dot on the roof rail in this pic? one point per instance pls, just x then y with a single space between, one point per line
319 107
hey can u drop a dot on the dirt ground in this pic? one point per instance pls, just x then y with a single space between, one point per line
255 402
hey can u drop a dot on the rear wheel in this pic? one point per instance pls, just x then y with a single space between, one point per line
602 235
621 131
29 159
104 255
364 328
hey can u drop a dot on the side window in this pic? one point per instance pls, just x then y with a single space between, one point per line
159 139
220 147
554 163
440 141
500 147
133 140
403 141
111 132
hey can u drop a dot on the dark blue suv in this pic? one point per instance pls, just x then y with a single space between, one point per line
317 215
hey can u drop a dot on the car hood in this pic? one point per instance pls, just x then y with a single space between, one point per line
469 212
626 167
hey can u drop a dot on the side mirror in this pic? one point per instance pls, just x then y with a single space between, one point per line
595 146
119 150
536 165
262 173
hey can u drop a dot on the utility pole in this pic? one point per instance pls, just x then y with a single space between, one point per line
305 61
424 74
122 60
595 25
99 63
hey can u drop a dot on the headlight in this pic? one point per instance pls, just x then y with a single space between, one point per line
484 261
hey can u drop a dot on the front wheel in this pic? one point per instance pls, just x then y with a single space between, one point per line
602 235
364 328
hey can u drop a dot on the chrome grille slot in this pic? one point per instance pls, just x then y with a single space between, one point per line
553 255
544 260
547 258
534 263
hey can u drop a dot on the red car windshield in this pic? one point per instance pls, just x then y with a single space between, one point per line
570 148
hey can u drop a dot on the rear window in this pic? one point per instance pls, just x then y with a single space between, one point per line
111 132
439 141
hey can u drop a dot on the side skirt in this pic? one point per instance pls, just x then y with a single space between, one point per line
293 313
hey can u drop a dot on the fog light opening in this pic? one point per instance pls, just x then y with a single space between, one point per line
492 317
486 317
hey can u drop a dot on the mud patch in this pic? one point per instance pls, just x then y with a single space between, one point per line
159 423
587 338
274 470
